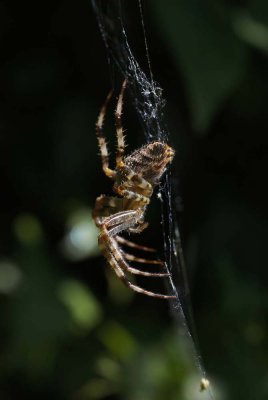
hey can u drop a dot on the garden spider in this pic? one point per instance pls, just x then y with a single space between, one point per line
135 177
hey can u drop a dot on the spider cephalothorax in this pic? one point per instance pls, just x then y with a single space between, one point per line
135 177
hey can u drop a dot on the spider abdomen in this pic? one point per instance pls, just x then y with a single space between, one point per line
150 161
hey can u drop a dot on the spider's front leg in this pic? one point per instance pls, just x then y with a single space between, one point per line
119 127
101 140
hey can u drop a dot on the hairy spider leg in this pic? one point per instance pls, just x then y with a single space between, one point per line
128 243
140 228
119 128
115 257
120 273
108 206
110 228
142 189
130 257
120 218
129 194
101 139
138 181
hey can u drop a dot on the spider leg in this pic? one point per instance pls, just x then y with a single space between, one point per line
119 128
112 225
130 257
139 228
121 221
139 181
129 194
106 206
136 271
115 256
120 273
134 245
134 187
147 292
101 139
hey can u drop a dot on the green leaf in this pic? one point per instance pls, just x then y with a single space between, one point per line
251 31
258 9
252 25
208 54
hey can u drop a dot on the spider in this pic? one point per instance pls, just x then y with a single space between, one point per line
134 177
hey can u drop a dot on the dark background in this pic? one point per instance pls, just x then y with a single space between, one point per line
68 328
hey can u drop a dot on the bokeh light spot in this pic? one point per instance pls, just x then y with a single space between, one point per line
81 303
27 229
10 277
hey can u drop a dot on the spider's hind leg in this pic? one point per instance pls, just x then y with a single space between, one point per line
140 260
119 270
109 228
133 245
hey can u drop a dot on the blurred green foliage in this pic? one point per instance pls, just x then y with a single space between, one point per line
69 329
206 50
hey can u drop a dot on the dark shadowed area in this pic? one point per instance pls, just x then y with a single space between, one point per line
69 329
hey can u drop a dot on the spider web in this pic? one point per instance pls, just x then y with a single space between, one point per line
148 101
